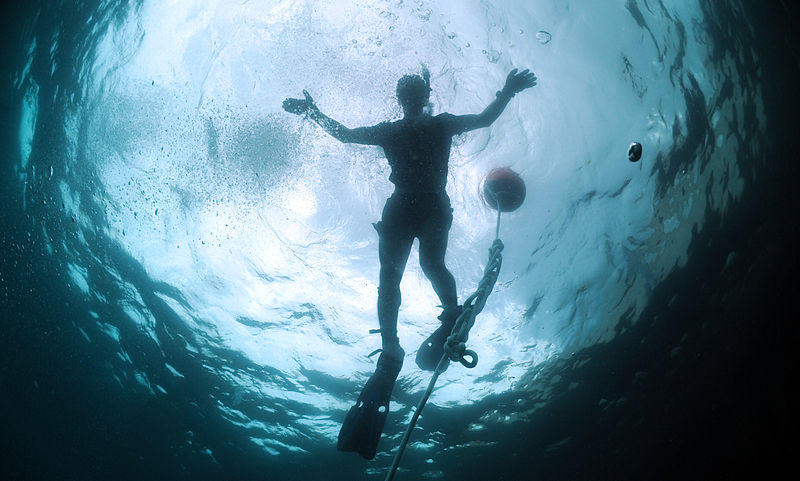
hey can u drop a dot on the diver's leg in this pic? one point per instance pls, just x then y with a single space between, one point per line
393 250
362 428
432 248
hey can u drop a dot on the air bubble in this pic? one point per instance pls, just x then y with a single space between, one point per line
492 55
543 37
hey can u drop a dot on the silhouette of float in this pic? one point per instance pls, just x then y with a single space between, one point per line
503 189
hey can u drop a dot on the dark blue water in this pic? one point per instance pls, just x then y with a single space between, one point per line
120 359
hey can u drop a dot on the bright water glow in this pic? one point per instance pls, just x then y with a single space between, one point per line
262 222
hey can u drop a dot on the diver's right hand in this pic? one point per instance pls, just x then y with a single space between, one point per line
299 106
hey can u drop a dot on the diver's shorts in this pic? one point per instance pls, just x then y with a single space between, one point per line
415 213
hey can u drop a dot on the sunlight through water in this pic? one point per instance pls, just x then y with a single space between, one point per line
195 214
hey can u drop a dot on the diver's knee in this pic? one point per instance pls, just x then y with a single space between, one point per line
388 291
433 268
390 277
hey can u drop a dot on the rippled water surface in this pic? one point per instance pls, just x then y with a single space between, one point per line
189 273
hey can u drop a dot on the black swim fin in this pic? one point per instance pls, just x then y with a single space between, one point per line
363 426
432 349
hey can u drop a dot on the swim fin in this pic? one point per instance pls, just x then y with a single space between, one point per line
363 425
432 349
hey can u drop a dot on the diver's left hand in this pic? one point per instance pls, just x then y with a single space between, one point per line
299 106
517 82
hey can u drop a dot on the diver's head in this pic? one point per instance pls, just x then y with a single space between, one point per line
413 93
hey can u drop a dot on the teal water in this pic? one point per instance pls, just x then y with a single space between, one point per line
189 273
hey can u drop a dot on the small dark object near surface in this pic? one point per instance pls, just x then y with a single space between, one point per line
635 152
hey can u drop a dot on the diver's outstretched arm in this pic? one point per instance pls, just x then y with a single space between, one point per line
515 83
337 130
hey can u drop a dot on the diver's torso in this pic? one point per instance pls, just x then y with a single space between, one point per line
418 150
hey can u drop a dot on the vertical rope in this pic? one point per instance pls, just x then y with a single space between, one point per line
497 231
472 306
443 362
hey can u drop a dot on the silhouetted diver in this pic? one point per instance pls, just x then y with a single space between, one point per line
418 149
